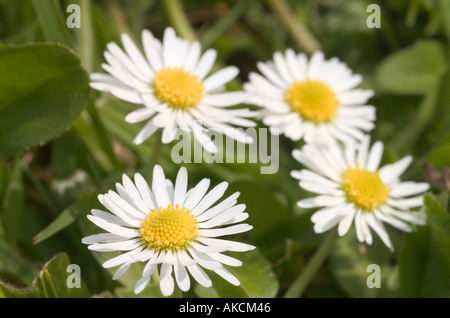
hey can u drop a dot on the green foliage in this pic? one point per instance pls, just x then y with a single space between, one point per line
43 89
425 256
62 144
51 282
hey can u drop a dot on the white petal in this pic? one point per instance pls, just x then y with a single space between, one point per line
159 187
358 228
144 280
199 275
282 67
379 229
121 270
204 260
192 56
356 96
307 203
215 194
346 221
144 190
363 152
126 62
227 203
113 218
227 276
231 245
101 238
197 194
349 83
127 245
169 47
293 66
166 282
365 228
223 217
134 194
113 228
118 260
391 172
180 187
126 94
224 259
169 130
182 276
205 64
390 219
152 50
234 229
408 188
406 203
315 64
226 99
263 87
271 75
375 156
139 115
124 206
220 78
148 130
135 55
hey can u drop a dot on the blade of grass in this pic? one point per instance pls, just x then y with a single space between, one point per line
85 35
51 20
177 17
304 38
223 24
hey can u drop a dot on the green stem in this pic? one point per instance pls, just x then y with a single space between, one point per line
298 30
178 19
302 281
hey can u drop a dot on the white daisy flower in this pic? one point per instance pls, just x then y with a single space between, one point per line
351 187
315 100
170 80
171 227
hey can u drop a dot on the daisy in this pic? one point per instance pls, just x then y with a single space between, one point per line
315 100
169 227
351 188
170 82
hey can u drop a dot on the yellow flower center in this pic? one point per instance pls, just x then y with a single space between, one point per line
178 88
365 188
314 100
171 228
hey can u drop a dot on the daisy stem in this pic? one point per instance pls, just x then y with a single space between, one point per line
302 281
298 30
177 17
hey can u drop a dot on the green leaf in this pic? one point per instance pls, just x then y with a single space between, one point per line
440 156
255 275
43 89
349 265
264 208
424 262
52 280
9 291
14 266
13 205
412 70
